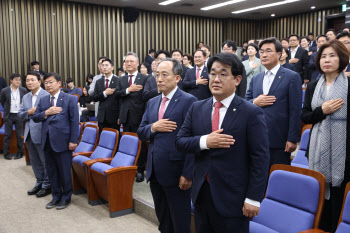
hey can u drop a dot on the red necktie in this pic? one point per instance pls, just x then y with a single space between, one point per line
197 75
130 80
162 108
107 80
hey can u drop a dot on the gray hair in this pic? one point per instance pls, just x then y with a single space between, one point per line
132 54
177 66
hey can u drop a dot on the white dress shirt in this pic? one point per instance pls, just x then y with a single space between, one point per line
133 80
15 100
206 62
35 97
293 52
56 97
269 77
203 140
200 72
109 83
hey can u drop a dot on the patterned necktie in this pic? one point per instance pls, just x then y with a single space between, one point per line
52 101
130 80
162 108
197 75
216 116
107 80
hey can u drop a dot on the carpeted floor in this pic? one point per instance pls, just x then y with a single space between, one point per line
22 213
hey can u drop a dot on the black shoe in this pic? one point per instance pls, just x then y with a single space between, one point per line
52 204
140 177
8 156
43 192
63 204
34 190
18 156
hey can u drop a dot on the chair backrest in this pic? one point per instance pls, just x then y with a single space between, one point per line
294 199
300 160
344 220
76 96
129 150
1 107
89 139
107 144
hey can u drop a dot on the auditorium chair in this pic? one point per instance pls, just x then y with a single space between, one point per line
80 130
344 219
1 110
293 202
93 118
300 160
106 148
89 140
112 180
13 141
77 96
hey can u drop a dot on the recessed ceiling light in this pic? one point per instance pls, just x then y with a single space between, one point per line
168 2
265 6
221 5
313 7
273 15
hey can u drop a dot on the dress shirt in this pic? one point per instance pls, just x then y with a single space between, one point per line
133 80
35 96
109 83
268 79
206 61
293 52
200 71
56 97
15 100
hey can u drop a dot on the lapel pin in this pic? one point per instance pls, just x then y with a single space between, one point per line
175 100
279 76
234 109
61 99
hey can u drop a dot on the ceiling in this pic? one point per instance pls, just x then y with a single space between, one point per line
222 12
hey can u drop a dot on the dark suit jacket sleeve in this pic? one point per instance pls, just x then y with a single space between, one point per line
259 156
3 97
98 92
144 130
295 101
185 141
187 82
242 87
39 114
312 62
305 65
74 121
249 95
309 116
148 93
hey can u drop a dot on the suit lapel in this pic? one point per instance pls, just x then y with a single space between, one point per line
232 113
124 81
278 78
176 99
60 99
260 84
204 72
137 79
113 82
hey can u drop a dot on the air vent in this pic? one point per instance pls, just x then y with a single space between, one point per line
187 4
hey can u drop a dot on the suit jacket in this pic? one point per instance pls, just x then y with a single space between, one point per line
2 83
75 90
313 44
108 108
201 92
312 67
151 89
301 66
132 105
237 172
168 162
30 125
282 117
183 75
149 59
6 99
61 128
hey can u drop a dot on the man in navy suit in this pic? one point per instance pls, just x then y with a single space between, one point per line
312 44
321 39
229 138
298 57
278 92
168 170
196 79
344 37
150 56
59 115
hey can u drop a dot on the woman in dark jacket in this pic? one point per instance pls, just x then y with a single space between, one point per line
83 100
326 107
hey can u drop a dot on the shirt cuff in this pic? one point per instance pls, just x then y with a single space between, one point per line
127 91
203 142
251 202
196 82
104 94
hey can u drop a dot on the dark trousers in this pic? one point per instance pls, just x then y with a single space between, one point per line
208 220
85 114
278 156
104 124
143 153
172 206
58 166
13 119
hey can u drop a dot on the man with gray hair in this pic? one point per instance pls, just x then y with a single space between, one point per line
168 170
132 105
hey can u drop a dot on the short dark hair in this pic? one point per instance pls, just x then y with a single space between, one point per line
340 49
108 60
120 69
203 52
177 66
322 35
306 38
151 51
286 39
331 30
206 46
33 63
14 75
343 34
147 65
189 57
245 42
254 46
228 59
103 57
89 76
295 36
34 73
177 50
166 52
274 41
70 80
310 34
55 75
230 44
199 43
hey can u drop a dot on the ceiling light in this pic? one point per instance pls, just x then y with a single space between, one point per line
313 7
221 5
273 15
168 2
265 6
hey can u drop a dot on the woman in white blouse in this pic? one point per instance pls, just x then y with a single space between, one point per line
252 65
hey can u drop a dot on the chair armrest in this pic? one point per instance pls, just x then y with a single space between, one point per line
84 153
119 169
89 163
313 231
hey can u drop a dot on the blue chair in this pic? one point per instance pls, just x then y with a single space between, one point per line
89 140
303 97
300 160
92 118
293 202
106 148
76 97
112 180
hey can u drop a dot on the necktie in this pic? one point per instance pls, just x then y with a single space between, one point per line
52 101
107 80
267 82
162 108
130 80
197 75
216 116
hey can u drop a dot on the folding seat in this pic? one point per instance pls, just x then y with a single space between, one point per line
89 140
300 160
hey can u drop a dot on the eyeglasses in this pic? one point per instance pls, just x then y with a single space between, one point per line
50 83
220 76
267 51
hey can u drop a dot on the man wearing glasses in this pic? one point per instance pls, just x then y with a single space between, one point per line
299 58
344 37
278 92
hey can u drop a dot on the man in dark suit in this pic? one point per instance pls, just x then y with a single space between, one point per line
312 44
278 92
11 99
196 79
151 90
36 67
150 56
168 170
105 93
178 55
206 49
298 57
2 83
344 37
229 138
131 105
59 115
321 39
